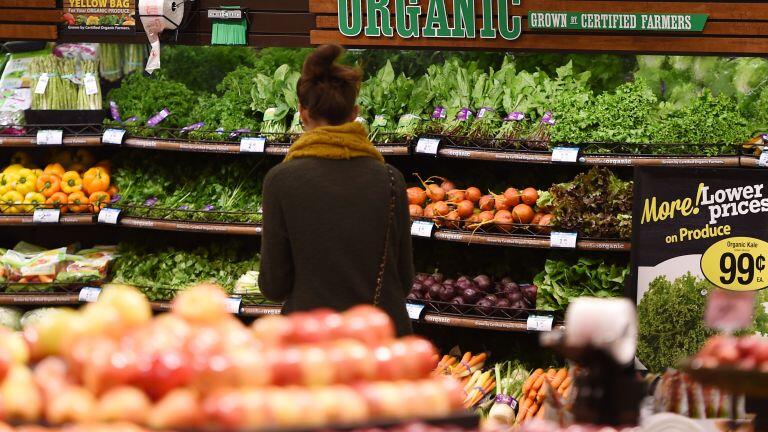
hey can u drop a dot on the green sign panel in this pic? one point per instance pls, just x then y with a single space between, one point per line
594 21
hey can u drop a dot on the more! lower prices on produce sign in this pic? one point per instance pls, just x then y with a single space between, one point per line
99 16
709 223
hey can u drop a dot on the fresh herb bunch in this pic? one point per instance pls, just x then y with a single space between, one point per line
144 96
161 273
418 106
224 189
596 204
562 281
487 99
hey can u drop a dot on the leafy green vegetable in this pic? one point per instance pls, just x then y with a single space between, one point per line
595 203
562 281
222 189
622 116
271 98
383 99
144 96
161 273
200 69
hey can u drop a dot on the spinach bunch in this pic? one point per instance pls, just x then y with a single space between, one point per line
274 97
562 281
383 99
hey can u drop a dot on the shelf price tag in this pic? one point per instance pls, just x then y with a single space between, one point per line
737 264
89 294
563 240
422 228
42 84
233 304
109 216
763 160
414 310
542 323
50 137
113 136
90 84
427 145
43 215
565 154
252 145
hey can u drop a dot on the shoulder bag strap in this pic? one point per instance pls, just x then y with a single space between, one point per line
390 217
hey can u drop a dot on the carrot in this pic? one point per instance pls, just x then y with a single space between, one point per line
531 411
531 379
540 414
567 392
566 384
471 381
539 381
559 377
480 358
551 373
523 410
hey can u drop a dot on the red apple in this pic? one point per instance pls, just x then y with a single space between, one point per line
420 359
307 328
179 409
315 368
165 371
72 405
285 365
123 404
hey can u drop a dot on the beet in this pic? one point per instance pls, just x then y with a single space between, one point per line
420 277
458 300
462 278
529 293
511 286
514 296
492 298
438 277
447 292
506 280
471 296
434 292
428 282
518 305
418 288
463 285
503 303
485 305
483 283
412 296
450 282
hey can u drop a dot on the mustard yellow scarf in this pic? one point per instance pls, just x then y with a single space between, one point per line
346 141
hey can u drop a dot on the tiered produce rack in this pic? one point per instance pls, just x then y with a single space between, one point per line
734 29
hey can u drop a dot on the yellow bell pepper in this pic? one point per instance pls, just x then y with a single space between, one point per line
9 201
35 201
26 181
8 180
71 182
38 172
13 168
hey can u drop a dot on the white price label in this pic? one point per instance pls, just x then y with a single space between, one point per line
91 87
233 305
89 294
763 161
565 154
46 216
42 84
50 137
563 240
414 310
542 323
109 216
427 145
422 228
252 145
113 136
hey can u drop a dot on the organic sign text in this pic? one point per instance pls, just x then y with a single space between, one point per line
437 22
616 21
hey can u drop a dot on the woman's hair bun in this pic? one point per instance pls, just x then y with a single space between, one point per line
328 89
319 63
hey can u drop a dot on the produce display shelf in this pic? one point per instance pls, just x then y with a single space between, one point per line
190 226
74 135
27 219
39 300
545 157
526 240
481 323
749 161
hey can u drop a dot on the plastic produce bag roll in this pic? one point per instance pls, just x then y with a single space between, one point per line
156 16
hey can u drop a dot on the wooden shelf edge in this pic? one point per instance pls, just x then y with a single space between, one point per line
512 240
480 323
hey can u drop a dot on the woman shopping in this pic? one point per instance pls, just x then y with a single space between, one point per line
336 227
